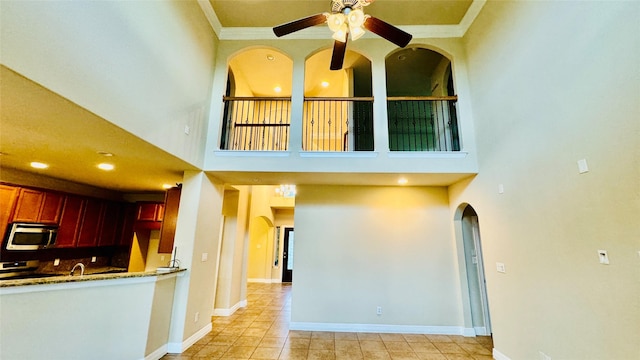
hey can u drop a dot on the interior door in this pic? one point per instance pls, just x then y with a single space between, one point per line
287 255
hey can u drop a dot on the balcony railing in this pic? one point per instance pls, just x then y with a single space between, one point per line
423 123
256 123
338 124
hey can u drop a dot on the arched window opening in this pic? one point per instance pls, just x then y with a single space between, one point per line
338 106
257 105
421 101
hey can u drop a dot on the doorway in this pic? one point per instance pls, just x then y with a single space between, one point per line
476 281
287 255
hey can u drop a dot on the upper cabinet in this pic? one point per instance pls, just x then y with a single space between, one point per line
169 220
38 206
8 196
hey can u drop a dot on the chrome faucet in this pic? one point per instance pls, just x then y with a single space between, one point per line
74 269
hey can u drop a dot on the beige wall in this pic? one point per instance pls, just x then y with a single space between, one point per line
198 241
357 248
553 83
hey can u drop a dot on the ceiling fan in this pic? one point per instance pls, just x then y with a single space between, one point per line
346 18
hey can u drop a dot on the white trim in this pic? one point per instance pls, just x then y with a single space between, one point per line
427 154
211 16
178 348
231 310
471 15
251 153
469 332
380 328
157 354
338 154
499 356
481 330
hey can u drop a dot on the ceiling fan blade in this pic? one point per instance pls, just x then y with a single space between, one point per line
337 58
299 24
387 31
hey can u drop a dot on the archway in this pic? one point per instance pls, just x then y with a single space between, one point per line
421 101
475 289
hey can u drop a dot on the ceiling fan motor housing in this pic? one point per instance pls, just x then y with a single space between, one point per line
338 6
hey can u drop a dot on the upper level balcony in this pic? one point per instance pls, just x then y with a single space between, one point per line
342 125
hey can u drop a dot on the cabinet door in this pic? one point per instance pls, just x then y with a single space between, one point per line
110 223
51 208
70 221
28 206
8 197
168 229
128 223
90 223
147 211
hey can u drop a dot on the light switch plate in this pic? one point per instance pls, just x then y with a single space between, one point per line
501 268
500 189
205 256
582 166
93 259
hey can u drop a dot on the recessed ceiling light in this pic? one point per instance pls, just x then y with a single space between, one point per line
106 166
270 57
105 153
325 84
167 186
403 181
277 89
39 165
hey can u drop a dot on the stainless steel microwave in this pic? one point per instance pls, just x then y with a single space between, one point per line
30 236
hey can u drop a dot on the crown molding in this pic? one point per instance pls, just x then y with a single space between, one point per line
318 32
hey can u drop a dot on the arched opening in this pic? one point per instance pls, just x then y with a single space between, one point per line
260 250
421 101
475 289
257 105
338 107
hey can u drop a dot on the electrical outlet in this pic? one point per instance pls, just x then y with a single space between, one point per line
379 310
196 317
161 257
93 259
56 262
187 129
205 257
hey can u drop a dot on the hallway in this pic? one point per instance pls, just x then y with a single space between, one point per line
261 331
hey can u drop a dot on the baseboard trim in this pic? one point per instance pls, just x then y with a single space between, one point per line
231 310
497 355
481 330
158 353
178 348
396 329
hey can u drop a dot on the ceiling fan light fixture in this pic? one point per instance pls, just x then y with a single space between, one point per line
356 18
336 21
341 34
356 32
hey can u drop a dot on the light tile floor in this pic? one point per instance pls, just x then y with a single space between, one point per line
261 331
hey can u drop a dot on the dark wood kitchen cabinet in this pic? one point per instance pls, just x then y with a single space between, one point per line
38 206
110 224
8 197
128 222
70 221
90 226
150 211
170 218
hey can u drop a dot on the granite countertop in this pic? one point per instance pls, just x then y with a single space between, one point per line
89 275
